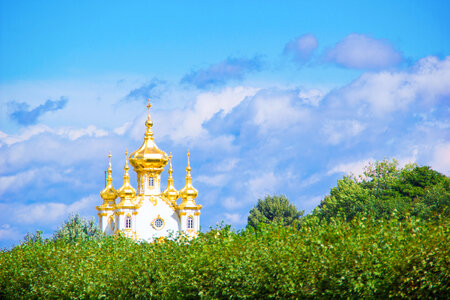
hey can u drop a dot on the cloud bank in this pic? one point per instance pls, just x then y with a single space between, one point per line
245 142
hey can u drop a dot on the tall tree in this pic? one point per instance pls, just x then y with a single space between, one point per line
385 189
273 209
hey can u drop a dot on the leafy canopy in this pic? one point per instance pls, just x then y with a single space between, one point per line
274 209
385 189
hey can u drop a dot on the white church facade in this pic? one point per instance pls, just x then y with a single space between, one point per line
149 213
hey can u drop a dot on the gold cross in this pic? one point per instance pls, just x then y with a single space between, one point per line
149 105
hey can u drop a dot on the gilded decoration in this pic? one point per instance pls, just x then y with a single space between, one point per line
158 223
149 157
148 161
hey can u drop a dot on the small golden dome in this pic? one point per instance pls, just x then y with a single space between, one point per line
170 192
188 192
126 190
149 156
109 193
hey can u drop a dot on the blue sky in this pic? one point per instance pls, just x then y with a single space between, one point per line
270 97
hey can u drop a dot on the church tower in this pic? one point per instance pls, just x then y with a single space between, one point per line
149 213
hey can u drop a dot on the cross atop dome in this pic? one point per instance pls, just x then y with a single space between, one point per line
148 213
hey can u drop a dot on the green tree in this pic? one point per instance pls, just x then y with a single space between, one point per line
34 237
274 209
385 189
78 228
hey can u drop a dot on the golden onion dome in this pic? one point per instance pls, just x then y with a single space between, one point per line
188 192
149 156
170 192
126 190
109 193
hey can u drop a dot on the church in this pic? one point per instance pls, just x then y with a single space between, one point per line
147 213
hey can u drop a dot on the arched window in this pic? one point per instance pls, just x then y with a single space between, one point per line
151 181
128 222
190 222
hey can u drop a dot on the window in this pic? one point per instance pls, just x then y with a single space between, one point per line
128 222
159 223
151 181
190 223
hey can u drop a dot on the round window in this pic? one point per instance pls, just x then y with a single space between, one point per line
158 223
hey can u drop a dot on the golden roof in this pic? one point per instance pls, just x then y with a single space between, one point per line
126 191
149 157
109 193
188 193
170 192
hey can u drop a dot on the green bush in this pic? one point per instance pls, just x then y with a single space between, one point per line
358 259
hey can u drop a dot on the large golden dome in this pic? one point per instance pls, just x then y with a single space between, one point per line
149 157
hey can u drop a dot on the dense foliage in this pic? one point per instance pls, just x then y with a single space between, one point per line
384 234
385 190
361 258
273 209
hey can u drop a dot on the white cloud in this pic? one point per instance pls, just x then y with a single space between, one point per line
402 161
363 52
50 212
261 185
214 180
9 233
441 158
16 181
74 133
235 219
69 133
386 92
311 97
302 47
339 130
277 112
356 168
122 129
187 124
309 180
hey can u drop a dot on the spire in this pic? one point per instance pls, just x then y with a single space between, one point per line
109 178
109 193
188 168
149 123
149 157
126 176
188 193
170 179
170 192
126 190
